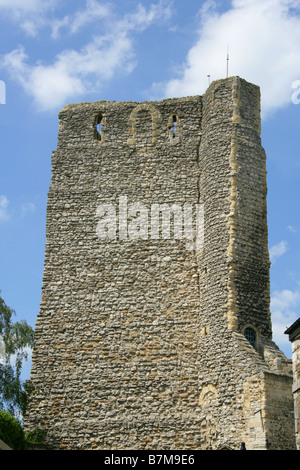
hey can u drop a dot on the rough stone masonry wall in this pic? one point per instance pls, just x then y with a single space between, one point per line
296 387
139 342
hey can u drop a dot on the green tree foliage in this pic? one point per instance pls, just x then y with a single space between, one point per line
11 432
15 338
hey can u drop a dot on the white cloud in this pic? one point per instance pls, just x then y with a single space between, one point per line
285 311
21 5
278 250
4 214
23 211
93 12
57 24
68 76
77 72
30 15
27 208
263 38
292 229
143 18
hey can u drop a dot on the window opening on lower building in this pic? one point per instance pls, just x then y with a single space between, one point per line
250 335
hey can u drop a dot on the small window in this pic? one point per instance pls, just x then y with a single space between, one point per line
174 126
99 125
250 335
174 129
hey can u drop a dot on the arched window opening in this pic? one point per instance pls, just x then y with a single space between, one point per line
141 127
174 129
99 125
250 335
174 126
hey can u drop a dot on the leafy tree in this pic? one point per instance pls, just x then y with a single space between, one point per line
11 432
15 338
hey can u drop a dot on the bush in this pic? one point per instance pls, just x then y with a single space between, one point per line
11 432
36 437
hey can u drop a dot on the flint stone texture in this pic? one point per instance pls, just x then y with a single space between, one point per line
140 340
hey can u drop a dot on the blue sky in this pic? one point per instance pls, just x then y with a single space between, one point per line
57 52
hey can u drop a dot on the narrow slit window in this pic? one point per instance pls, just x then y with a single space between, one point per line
174 127
99 125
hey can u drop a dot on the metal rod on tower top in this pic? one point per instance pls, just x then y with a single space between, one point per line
227 60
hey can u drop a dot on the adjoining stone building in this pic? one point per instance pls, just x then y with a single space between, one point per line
160 337
294 336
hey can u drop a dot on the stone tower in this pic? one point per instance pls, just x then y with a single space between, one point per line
154 329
